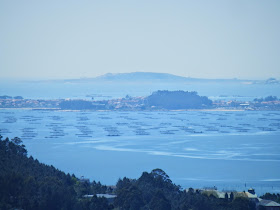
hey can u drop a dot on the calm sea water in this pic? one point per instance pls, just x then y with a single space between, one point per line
230 150
109 90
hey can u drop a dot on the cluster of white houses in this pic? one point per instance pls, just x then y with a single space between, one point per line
250 194
230 195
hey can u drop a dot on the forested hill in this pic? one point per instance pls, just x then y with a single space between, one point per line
27 184
156 191
178 100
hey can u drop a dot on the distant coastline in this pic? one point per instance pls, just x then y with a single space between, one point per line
157 77
179 110
158 101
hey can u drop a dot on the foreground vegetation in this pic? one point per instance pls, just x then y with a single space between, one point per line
27 184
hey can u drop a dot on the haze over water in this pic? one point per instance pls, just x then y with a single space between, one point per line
109 90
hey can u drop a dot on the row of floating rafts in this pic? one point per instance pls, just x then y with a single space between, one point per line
187 129
68 125
177 126
7 113
102 114
167 132
275 125
28 134
165 124
266 129
51 137
271 114
59 126
4 131
194 124
27 116
35 123
85 131
152 118
55 123
56 118
84 113
129 118
31 119
56 131
59 135
156 128
27 130
83 135
81 126
123 117
242 130
197 131
275 119
109 128
142 125
113 133
226 126
120 124
139 123
245 124
144 113
262 119
126 117
134 126
241 115
224 131
83 123
124 113
82 119
221 118
171 114
52 126
214 123
141 132
10 120
105 118
212 129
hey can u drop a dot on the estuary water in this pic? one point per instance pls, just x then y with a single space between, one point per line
226 149
108 90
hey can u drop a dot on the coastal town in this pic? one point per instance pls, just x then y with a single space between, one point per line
128 103
260 202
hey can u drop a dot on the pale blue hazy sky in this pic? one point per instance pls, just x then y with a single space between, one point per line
205 39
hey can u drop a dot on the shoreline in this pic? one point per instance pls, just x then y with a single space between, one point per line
165 110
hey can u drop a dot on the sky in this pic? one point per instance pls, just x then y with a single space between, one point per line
202 39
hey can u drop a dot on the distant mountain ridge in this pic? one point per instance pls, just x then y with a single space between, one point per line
140 76
149 77
153 77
